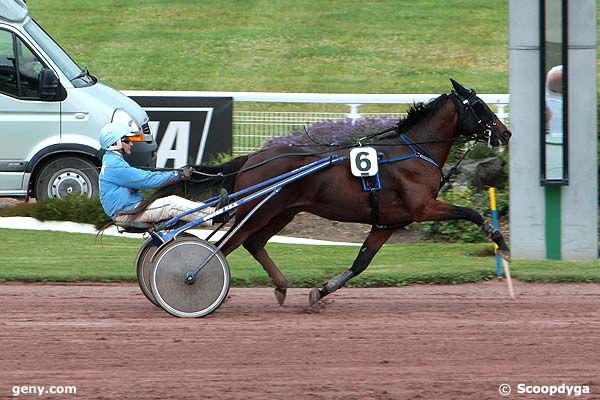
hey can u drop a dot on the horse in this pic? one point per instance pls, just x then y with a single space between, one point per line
411 160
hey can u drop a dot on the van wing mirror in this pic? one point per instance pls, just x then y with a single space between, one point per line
49 84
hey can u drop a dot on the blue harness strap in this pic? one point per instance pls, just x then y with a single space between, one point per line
369 185
415 154
372 185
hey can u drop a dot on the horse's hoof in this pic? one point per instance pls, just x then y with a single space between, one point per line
314 297
280 295
504 254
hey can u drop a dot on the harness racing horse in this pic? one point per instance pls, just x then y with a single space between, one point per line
411 160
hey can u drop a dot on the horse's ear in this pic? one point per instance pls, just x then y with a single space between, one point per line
460 89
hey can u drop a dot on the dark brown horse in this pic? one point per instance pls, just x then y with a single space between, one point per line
408 188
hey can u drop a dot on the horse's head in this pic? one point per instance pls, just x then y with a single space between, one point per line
475 119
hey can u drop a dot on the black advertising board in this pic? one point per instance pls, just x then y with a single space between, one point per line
189 130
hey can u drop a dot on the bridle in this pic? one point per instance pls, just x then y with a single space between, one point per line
486 128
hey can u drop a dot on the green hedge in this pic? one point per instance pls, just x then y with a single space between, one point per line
73 208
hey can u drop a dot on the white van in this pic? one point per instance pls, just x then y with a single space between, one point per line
51 112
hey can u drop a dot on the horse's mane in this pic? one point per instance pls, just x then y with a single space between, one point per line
418 111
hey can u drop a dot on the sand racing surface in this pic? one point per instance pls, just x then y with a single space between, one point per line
418 342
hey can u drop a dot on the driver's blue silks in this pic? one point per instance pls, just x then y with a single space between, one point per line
120 183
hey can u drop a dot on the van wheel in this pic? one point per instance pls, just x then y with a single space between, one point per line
66 176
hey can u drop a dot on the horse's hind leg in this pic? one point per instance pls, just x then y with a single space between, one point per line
376 238
255 244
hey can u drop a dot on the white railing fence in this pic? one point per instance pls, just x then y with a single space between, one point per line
252 128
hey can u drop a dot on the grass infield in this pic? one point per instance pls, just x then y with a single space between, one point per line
387 46
66 257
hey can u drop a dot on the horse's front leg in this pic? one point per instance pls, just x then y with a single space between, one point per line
376 238
439 211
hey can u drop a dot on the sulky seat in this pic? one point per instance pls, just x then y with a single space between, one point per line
134 227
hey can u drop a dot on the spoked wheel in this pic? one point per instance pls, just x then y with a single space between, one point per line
172 265
144 265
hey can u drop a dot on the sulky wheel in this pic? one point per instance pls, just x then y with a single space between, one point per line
143 264
144 267
172 265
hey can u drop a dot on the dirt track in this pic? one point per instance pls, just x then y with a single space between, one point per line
420 342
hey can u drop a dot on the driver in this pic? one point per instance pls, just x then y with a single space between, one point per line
120 184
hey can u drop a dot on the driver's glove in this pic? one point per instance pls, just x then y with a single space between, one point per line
185 173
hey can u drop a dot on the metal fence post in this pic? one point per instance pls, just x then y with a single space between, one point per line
353 115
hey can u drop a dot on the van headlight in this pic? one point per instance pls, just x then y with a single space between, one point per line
123 116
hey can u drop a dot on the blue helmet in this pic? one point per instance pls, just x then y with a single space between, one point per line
111 134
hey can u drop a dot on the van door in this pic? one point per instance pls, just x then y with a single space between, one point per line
26 122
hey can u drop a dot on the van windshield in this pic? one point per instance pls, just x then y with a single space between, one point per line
52 49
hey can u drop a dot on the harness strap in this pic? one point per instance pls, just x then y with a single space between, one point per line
446 179
374 200
417 152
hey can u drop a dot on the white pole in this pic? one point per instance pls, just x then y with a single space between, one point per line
353 115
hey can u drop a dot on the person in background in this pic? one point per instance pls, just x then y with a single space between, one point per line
120 184
554 99
554 123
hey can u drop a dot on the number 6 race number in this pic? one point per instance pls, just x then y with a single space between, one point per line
363 161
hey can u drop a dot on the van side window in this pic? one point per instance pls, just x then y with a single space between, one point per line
29 72
8 75
15 55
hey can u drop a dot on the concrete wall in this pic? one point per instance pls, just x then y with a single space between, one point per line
579 200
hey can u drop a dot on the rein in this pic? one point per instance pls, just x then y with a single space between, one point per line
407 142
454 169
419 152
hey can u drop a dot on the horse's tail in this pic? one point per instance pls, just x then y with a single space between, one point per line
101 229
